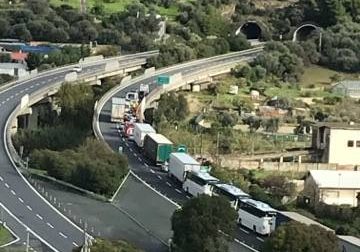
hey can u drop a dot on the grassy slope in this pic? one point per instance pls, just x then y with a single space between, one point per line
118 5
5 236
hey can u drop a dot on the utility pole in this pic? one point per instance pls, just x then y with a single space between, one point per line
217 147
83 6
27 240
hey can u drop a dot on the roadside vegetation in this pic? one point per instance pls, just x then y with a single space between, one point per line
294 236
201 223
5 236
101 245
63 145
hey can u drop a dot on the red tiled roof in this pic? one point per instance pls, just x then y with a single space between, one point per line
19 56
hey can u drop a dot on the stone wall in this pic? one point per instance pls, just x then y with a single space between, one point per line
235 164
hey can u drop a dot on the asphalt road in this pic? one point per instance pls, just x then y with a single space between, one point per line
152 175
36 214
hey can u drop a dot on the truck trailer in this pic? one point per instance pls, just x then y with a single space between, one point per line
118 108
140 131
157 148
180 164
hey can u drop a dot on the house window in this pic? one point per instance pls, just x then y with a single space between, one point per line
350 143
358 144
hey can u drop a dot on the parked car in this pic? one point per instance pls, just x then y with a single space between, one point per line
77 69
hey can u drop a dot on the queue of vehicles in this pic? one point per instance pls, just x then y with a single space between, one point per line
187 171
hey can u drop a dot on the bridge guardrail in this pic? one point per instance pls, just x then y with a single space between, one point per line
113 91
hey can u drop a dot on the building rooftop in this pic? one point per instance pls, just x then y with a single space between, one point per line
237 192
19 56
336 179
185 158
349 84
303 219
159 138
350 239
335 125
144 127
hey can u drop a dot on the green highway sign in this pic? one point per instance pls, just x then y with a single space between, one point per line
182 148
163 80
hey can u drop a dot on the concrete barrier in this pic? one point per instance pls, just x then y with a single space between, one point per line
70 77
112 66
149 71
91 59
24 103
125 79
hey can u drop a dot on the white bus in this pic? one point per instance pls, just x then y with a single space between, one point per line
232 193
200 182
257 215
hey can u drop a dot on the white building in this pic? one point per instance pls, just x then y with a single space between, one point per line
333 187
337 143
14 69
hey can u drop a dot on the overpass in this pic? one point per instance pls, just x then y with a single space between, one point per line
33 214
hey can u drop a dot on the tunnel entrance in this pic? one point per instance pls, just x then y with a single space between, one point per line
251 30
305 32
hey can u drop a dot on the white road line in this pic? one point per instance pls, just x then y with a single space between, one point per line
75 244
139 159
237 240
260 239
12 97
13 192
1 178
146 164
8 99
28 207
37 84
32 86
131 149
21 91
135 154
188 197
3 102
16 94
159 177
126 144
168 184
152 171
39 216
177 190
21 200
245 231
62 235
6 185
49 225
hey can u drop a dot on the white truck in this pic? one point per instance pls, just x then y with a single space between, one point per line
140 131
180 164
118 109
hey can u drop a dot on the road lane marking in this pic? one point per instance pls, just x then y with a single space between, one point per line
12 97
39 216
21 200
1 178
159 177
152 171
62 235
8 99
177 190
3 102
139 158
188 197
245 231
49 225
28 207
260 239
32 86
135 154
75 244
131 149
6 185
168 184
13 192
